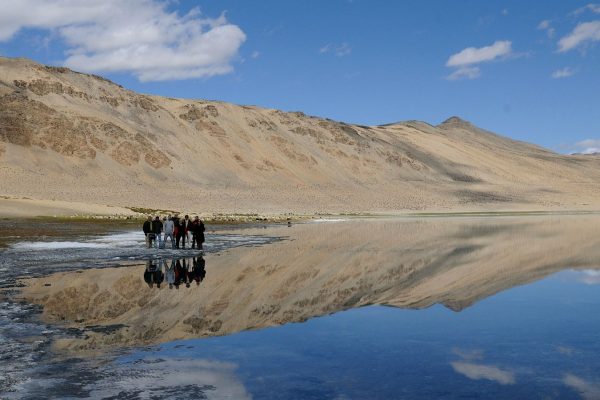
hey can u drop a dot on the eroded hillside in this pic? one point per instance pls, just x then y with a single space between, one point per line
76 137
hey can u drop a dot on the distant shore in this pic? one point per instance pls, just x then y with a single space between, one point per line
11 208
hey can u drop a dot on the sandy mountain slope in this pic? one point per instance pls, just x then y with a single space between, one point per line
68 136
409 263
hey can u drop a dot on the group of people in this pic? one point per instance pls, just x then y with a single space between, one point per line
178 230
175 272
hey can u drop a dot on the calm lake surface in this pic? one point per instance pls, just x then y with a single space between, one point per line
452 308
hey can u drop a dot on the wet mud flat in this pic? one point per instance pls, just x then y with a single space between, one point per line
37 248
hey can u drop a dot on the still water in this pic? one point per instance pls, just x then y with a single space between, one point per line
403 308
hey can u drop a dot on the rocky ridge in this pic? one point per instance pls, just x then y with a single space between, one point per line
76 137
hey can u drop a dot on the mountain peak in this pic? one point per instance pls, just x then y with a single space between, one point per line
455 121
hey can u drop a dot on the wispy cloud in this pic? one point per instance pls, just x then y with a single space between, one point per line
546 25
595 8
590 276
584 33
472 367
473 55
482 371
465 61
565 350
468 354
587 146
339 50
255 54
142 37
563 73
587 390
464 73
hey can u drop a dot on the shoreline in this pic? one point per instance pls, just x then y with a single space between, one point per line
56 210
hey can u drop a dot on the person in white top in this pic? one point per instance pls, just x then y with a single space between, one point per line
168 227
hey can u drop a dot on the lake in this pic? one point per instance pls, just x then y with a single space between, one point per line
356 308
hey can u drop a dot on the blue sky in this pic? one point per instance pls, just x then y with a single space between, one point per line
528 70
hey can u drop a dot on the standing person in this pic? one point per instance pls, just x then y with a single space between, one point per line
176 229
157 228
186 226
198 232
168 227
147 228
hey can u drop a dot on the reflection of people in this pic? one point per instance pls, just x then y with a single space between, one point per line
153 274
198 233
199 269
179 274
169 272
187 268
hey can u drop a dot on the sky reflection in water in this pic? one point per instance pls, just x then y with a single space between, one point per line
535 341
482 314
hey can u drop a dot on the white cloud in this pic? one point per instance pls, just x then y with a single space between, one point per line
565 350
465 73
468 354
590 276
340 50
325 49
505 11
587 390
255 54
473 55
482 371
595 8
563 73
465 60
141 37
588 146
545 25
176 378
583 33
588 143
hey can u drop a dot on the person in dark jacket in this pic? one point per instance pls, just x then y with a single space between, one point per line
198 233
177 230
185 230
157 228
147 228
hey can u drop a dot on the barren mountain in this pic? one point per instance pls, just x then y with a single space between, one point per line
73 137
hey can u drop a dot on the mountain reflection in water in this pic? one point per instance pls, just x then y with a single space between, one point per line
321 269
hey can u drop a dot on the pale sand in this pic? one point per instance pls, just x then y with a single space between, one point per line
76 138
12 208
323 268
